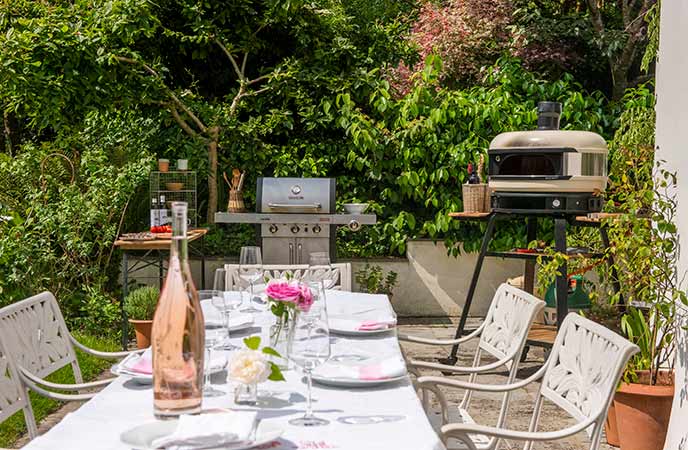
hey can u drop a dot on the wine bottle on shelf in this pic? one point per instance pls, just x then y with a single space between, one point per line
178 335
472 177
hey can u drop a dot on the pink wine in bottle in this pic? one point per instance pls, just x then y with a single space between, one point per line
178 335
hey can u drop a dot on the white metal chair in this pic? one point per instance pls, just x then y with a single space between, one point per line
338 277
580 376
36 338
13 397
502 334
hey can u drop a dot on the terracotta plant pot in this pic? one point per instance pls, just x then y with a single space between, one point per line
611 429
643 411
143 329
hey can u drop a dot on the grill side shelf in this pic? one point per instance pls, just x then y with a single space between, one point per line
322 219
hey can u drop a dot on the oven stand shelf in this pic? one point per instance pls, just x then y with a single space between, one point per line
540 335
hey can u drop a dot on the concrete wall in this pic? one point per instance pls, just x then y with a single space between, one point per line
672 118
430 283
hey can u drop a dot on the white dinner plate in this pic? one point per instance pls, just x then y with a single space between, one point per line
148 379
142 436
352 382
359 332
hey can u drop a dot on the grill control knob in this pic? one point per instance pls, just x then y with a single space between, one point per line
556 203
295 229
273 228
316 229
354 225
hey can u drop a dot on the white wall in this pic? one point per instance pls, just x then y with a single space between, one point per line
430 283
672 123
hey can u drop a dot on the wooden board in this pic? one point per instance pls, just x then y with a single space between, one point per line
157 244
541 334
469 215
597 217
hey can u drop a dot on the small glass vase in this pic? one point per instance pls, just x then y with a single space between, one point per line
279 337
246 394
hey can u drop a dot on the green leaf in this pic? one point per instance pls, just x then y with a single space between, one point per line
252 342
271 351
275 373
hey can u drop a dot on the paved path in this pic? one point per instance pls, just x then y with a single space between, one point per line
485 407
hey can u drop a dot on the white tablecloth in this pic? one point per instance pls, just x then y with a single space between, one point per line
123 404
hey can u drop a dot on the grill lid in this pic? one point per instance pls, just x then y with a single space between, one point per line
296 195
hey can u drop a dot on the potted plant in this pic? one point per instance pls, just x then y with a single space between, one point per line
373 280
140 307
645 253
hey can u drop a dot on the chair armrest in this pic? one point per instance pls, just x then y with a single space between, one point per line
459 369
461 431
53 395
99 354
445 381
63 387
461 340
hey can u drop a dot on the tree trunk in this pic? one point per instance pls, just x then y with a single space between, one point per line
214 133
7 131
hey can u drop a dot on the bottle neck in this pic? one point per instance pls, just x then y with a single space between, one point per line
180 244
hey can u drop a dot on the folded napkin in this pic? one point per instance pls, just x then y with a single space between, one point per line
143 364
380 370
139 364
209 430
359 324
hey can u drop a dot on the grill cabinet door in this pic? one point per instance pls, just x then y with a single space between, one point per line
279 250
306 246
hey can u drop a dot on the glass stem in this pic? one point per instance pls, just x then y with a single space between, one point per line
309 404
226 316
206 381
251 299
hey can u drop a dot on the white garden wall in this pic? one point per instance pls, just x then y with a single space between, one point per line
430 283
672 120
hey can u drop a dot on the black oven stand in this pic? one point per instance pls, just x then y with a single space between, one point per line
561 220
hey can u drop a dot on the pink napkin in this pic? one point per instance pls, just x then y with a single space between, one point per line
381 370
372 325
143 364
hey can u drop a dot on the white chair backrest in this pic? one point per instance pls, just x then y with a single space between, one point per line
585 365
508 321
338 277
13 397
36 337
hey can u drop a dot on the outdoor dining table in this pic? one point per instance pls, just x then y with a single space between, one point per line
399 421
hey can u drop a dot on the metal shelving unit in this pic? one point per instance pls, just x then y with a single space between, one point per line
161 197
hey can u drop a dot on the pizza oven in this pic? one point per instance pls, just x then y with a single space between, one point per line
548 169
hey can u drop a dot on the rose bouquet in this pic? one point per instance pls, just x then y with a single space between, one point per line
286 298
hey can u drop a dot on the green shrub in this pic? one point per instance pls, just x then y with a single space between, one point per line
373 280
141 303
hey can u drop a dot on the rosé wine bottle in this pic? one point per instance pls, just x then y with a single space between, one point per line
178 337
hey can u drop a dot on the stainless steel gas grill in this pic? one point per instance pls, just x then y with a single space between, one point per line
296 217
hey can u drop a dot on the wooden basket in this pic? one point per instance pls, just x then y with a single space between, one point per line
236 201
475 197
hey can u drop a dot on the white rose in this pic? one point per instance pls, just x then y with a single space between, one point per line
249 366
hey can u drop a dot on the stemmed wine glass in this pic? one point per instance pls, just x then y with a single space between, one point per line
211 340
226 302
250 270
308 348
319 266
314 314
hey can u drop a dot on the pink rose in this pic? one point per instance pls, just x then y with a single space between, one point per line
305 299
283 291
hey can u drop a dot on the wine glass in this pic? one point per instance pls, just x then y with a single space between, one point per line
250 270
212 337
313 315
225 301
320 266
308 348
